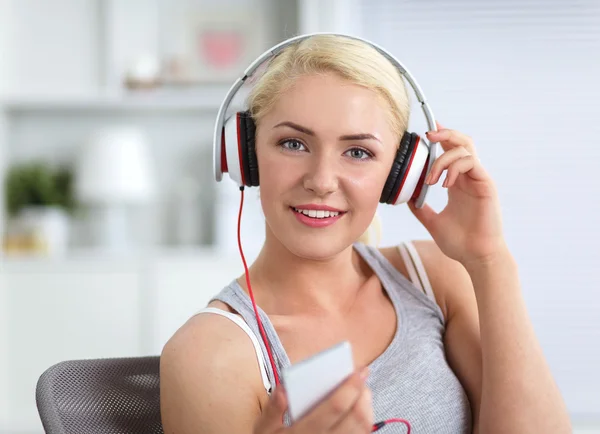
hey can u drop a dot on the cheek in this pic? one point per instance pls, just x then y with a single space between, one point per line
367 187
271 168
276 177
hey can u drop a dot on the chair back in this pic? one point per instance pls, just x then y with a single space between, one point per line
101 396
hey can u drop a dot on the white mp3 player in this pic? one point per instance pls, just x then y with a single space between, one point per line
309 381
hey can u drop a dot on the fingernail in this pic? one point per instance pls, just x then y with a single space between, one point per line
429 177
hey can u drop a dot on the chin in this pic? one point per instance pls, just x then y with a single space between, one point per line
316 248
318 244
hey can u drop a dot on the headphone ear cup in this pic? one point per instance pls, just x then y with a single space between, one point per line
413 183
230 150
247 130
393 183
238 156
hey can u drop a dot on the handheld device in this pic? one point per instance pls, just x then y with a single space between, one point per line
308 382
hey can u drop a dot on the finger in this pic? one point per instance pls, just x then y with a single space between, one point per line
443 162
426 215
272 417
335 406
469 166
451 138
462 165
359 419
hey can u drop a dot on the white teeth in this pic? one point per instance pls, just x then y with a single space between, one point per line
318 214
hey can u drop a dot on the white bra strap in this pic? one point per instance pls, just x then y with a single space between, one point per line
420 270
239 321
412 272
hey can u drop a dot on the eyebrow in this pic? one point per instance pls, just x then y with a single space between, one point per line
309 132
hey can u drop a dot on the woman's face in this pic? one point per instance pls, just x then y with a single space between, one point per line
324 152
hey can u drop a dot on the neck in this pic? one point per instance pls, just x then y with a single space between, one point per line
284 283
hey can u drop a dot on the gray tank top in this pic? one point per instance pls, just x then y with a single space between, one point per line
411 379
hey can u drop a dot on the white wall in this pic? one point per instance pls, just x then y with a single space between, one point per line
522 79
342 16
5 44
4 373
54 46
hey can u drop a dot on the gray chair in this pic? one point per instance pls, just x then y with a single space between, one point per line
101 396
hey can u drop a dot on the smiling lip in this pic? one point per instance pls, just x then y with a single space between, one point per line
318 207
315 222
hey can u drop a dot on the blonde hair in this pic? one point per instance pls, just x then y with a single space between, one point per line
375 226
350 59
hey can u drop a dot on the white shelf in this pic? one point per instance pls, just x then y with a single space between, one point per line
18 262
204 99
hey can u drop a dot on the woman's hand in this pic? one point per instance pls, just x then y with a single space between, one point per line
347 410
469 228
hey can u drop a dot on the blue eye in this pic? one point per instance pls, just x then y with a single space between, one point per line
359 154
292 145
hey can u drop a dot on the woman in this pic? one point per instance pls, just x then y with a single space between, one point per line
439 330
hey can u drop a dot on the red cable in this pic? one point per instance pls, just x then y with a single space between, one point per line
247 274
378 425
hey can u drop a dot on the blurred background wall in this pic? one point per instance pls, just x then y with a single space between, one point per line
114 232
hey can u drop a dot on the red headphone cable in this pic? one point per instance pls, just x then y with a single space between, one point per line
247 275
378 425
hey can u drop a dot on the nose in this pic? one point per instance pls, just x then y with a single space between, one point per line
321 177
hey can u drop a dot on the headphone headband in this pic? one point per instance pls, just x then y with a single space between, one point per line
273 51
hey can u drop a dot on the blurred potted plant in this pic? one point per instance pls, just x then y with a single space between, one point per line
39 201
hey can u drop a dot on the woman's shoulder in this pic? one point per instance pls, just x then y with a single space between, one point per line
445 275
210 355
210 339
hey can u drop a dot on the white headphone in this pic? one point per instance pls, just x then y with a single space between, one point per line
234 138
